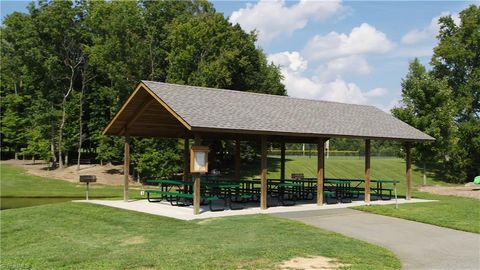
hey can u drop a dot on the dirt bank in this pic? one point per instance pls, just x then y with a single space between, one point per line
461 191
107 174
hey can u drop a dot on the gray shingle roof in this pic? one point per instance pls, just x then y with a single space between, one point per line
222 109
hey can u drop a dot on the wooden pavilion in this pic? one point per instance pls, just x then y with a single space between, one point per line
164 110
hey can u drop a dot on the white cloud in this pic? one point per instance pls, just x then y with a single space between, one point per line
354 64
376 92
394 102
293 65
275 18
363 39
292 61
429 32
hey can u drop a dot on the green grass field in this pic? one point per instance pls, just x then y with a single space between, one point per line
448 211
16 182
84 236
74 235
382 168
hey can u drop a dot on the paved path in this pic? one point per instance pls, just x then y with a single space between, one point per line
417 245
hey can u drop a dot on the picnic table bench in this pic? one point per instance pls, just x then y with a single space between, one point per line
180 198
378 189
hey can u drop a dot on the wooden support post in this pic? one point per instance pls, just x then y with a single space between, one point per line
186 159
320 170
196 184
263 174
282 161
367 172
126 168
196 194
237 159
408 171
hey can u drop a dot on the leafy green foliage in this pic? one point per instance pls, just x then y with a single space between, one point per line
428 106
157 158
92 53
445 102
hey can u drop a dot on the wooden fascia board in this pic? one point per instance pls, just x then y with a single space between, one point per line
122 109
305 135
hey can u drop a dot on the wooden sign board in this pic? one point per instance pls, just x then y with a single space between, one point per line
199 159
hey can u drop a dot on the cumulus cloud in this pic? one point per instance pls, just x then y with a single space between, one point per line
275 18
429 32
291 61
293 67
376 92
363 39
354 64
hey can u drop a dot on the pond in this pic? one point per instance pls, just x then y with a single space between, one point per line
18 202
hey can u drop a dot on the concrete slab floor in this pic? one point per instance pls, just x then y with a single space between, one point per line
186 213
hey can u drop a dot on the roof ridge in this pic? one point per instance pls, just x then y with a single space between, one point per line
261 94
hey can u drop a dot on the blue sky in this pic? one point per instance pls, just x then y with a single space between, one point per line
354 52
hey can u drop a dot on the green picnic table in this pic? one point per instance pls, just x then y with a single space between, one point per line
165 182
379 188
292 192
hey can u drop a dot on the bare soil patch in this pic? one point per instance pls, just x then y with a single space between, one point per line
311 263
107 174
461 191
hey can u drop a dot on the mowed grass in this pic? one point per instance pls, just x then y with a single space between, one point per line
382 168
447 211
16 182
85 236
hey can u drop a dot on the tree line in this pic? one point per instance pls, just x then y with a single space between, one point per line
445 101
68 66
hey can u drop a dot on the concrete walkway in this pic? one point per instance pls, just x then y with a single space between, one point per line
186 213
417 245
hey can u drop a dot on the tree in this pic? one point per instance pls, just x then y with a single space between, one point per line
156 157
445 102
14 120
427 104
74 63
456 59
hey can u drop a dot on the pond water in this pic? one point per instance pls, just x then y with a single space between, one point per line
18 202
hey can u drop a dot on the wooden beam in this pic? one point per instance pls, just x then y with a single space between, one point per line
170 110
186 159
263 174
320 170
237 159
408 171
126 168
137 114
282 161
196 183
367 172
142 86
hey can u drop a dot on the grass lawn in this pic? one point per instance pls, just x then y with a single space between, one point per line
16 182
452 212
382 168
449 211
84 236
